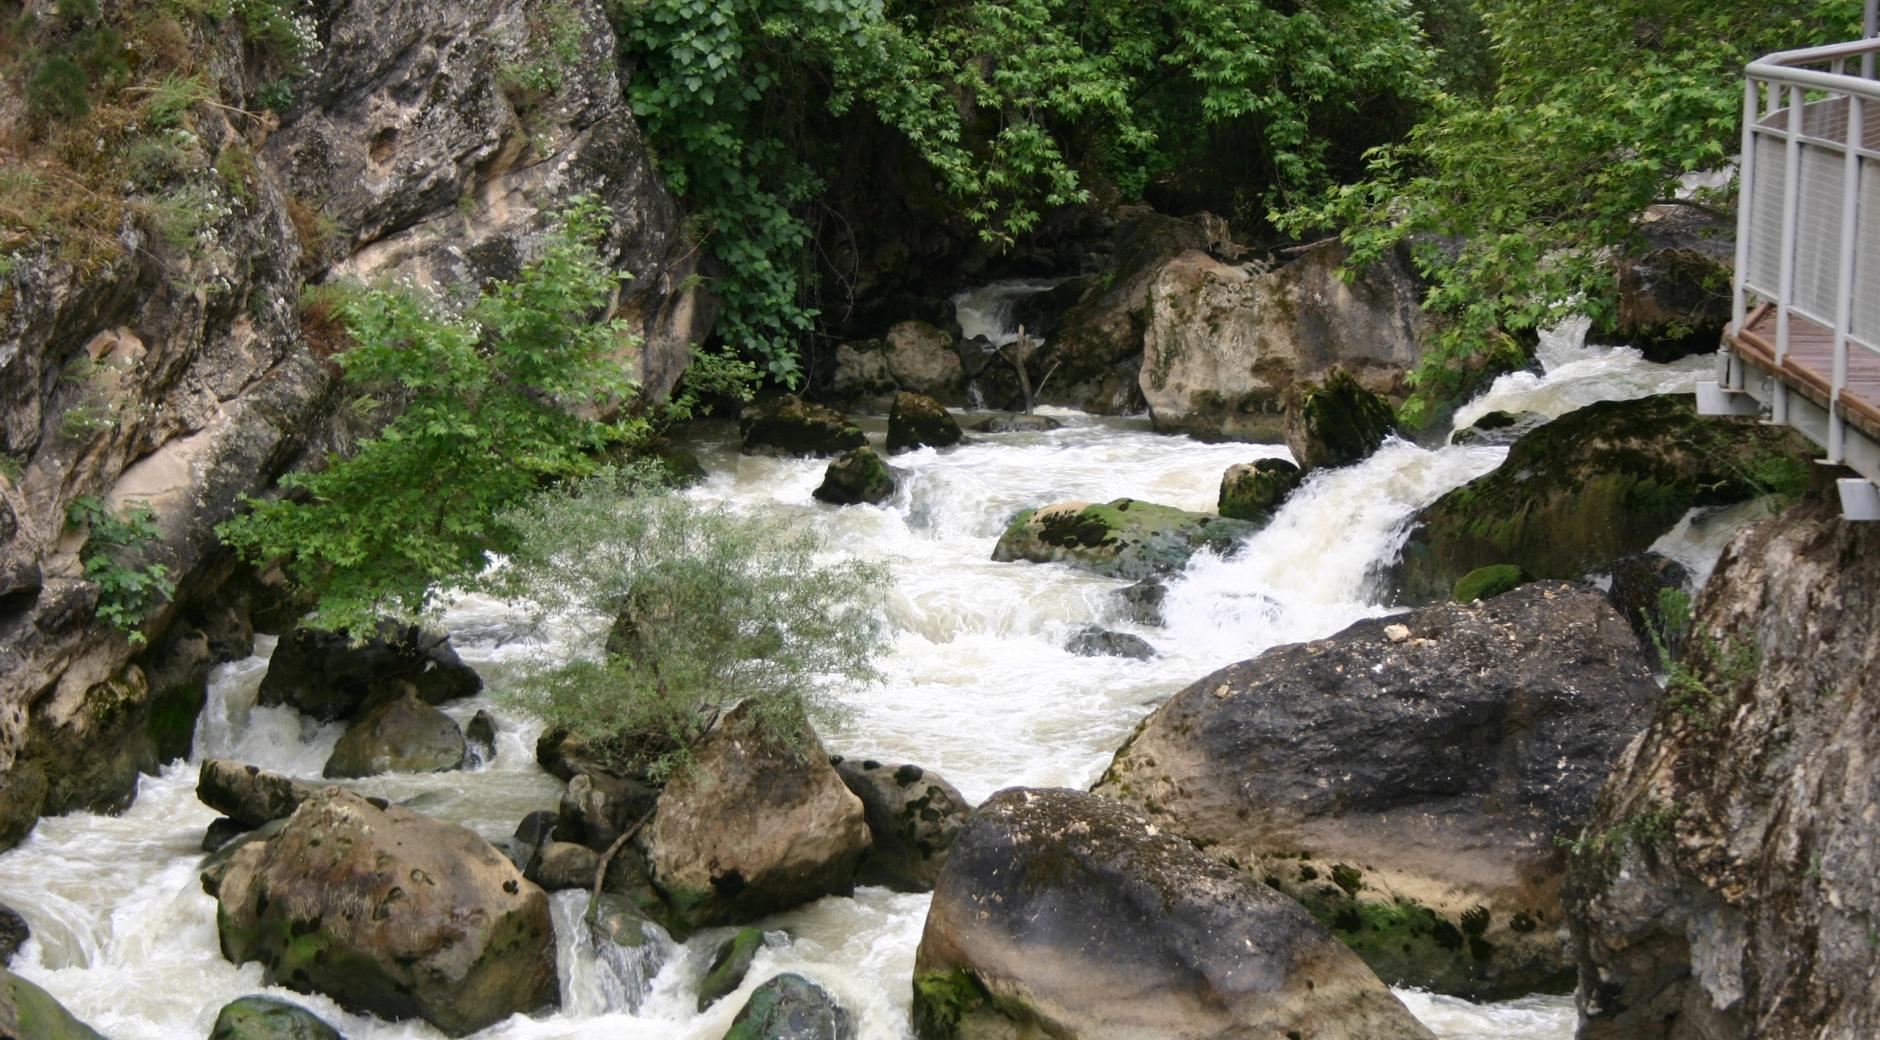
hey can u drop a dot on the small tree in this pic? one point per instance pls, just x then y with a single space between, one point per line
682 611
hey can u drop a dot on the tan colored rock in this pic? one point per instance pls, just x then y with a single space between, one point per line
922 359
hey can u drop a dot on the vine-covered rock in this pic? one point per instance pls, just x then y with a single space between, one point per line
265 1018
399 735
913 817
1254 491
1120 539
789 426
855 477
1592 486
323 675
1065 914
1336 423
916 421
1410 779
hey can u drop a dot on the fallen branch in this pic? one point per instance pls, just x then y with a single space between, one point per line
600 872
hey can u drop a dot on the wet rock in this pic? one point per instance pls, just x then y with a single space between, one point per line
1494 429
754 825
1065 914
1120 539
216 864
1336 423
389 913
480 740
559 865
1639 585
538 828
921 359
220 832
1674 297
1254 491
597 807
787 426
1142 602
13 933
1410 788
855 477
249 794
402 735
322 675
564 755
730 963
1592 486
630 946
1017 422
30 1013
1489 582
860 376
913 816
791 1007
1092 641
920 422
1724 886
265 1018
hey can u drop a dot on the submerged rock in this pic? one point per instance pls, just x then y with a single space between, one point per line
390 913
400 735
30 1013
323 675
920 422
265 1018
13 933
1254 491
752 826
1494 429
479 739
1068 915
1121 539
855 477
1336 423
1092 641
730 963
249 794
788 426
1410 779
791 1007
913 817
1017 422
1142 602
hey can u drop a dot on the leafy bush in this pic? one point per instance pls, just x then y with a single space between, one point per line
685 611
130 587
497 401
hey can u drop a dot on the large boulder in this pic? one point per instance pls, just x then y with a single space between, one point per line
1224 344
265 1018
922 359
399 735
1254 491
1069 915
1674 295
856 477
1594 485
917 421
1725 885
30 1013
1336 422
249 794
390 913
913 817
597 807
1120 539
791 1007
322 674
1410 778
752 826
788 426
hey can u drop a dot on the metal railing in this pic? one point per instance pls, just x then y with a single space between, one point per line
1808 237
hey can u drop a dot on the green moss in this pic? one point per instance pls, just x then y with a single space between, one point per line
172 719
942 1000
729 966
40 1017
1489 582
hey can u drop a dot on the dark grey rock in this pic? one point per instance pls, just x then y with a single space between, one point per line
913 816
1093 641
323 675
790 1007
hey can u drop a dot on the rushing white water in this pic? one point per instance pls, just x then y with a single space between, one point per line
987 311
977 688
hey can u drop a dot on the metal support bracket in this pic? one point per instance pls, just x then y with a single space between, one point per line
1714 399
1860 498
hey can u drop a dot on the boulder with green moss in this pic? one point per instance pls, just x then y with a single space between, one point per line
1489 582
30 1013
917 421
855 477
1120 539
791 1007
1410 780
1066 914
788 426
730 963
1592 486
265 1018
1254 491
401 734
1336 423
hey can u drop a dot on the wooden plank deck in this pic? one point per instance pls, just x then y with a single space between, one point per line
1809 366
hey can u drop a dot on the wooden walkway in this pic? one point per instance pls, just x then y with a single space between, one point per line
1809 366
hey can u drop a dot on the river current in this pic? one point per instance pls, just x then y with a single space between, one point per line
977 687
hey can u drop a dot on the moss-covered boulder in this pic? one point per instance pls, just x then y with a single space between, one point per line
400 735
1336 423
917 421
791 1007
730 963
1065 914
391 913
1497 428
788 426
913 817
1120 539
30 1013
1489 582
1411 779
265 1018
855 477
1254 491
1592 486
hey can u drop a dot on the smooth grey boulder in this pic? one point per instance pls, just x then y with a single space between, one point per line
400 735
913 818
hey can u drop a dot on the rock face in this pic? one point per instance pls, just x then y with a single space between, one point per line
1592 486
1070 915
248 794
856 477
1725 885
913 817
920 422
401 735
323 675
30 1013
1336 423
788 426
265 1018
1120 539
1409 787
1223 345
390 913
791 1007
751 827
1254 491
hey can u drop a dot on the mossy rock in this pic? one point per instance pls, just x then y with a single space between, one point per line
788 426
1593 486
791 1007
1120 539
856 477
1254 491
730 964
918 421
1489 582
1336 423
401 735
30 1013
265 1018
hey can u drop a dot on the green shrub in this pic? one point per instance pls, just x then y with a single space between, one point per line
130 587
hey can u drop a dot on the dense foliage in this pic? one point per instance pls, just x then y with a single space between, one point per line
1516 200
686 610
495 402
1014 106
115 558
